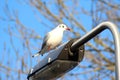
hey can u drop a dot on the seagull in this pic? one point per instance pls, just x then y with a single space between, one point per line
52 39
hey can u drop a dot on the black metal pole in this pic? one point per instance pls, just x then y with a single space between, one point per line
105 25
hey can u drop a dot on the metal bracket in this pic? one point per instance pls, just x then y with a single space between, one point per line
53 67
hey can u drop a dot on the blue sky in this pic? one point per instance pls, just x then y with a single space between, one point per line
26 16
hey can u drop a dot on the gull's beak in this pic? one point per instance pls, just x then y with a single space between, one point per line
69 29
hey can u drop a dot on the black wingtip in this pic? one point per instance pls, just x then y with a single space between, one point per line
32 56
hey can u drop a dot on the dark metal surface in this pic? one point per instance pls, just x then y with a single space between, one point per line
52 55
76 55
54 68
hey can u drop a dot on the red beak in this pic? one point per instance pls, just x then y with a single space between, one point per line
68 29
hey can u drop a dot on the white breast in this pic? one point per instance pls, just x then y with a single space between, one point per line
55 39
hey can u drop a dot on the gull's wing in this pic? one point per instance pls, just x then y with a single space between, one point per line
45 41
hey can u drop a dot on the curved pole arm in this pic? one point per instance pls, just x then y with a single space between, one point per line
101 27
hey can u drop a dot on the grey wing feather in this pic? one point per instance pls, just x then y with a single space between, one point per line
45 40
44 47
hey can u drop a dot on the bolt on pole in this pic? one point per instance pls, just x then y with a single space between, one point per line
101 27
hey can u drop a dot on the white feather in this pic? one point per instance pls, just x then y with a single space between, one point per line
52 39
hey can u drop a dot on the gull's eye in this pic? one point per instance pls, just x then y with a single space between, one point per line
62 26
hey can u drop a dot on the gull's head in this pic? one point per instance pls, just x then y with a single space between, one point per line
63 27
